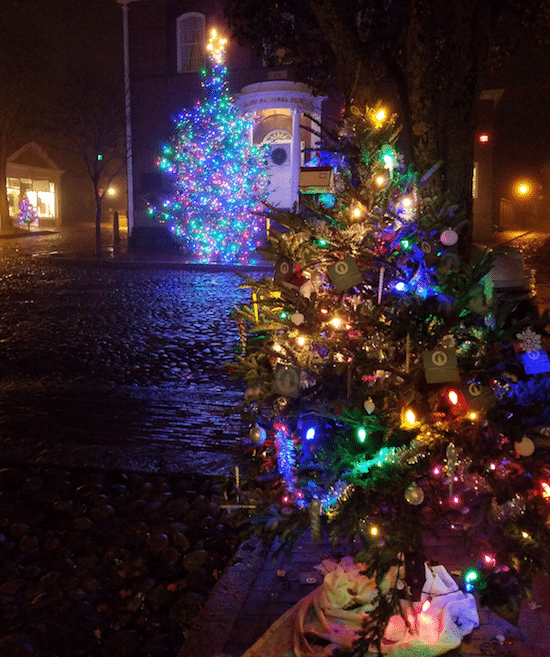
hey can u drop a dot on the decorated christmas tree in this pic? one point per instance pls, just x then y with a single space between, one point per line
219 176
390 389
27 213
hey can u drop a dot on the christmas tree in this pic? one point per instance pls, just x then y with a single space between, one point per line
219 177
27 213
390 390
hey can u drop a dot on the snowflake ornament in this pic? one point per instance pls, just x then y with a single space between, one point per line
529 341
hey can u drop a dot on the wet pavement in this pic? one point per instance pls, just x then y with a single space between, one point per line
118 362
116 367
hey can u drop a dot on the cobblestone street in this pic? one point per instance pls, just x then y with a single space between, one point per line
123 366
117 367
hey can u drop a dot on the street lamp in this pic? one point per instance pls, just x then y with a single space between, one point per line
523 189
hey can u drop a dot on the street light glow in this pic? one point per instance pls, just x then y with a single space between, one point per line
523 189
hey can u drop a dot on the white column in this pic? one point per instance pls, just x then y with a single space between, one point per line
295 156
127 103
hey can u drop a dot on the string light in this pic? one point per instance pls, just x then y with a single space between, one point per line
409 419
216 46
453 397
219 177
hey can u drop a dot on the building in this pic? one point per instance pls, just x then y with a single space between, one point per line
165 50
30 172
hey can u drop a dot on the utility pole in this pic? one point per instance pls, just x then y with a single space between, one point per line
128 107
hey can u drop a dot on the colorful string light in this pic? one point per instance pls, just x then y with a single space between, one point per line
219 177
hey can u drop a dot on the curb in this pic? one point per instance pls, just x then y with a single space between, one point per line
150 263
215 621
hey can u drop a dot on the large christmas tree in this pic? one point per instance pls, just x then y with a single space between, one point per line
219 177
390 389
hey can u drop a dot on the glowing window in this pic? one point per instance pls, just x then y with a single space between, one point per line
190 42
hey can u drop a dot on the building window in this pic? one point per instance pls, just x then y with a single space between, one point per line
190 40
41 194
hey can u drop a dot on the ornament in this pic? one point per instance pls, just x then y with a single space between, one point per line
317 279
535 362
257 434
525 447
450 261
344 274
297 319
307 288
414 494
242 335
284 268
478 396
440 365
369 406
449 237
287 381
429 251
529 340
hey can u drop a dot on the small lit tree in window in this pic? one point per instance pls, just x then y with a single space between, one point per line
27 213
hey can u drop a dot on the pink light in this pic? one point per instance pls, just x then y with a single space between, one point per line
456 499
426 605
436 471
489 560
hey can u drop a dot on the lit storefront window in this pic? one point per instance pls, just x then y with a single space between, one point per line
41 193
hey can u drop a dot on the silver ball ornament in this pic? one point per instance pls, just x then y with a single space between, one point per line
449 237
257 435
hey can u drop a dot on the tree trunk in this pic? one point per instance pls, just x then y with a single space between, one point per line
351 69
5 219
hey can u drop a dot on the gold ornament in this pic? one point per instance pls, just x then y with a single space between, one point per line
369 406
414 494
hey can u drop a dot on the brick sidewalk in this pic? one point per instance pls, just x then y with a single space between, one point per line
258 589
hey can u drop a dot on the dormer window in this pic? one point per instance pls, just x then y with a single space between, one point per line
191 42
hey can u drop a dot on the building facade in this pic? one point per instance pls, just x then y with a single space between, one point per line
165 50
31 173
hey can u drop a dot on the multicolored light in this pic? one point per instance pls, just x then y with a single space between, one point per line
219 177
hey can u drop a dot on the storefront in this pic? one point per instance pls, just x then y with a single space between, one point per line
32 174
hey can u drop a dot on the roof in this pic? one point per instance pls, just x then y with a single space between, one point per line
32 155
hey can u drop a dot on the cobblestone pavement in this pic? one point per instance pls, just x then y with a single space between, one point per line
116 367
122 366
